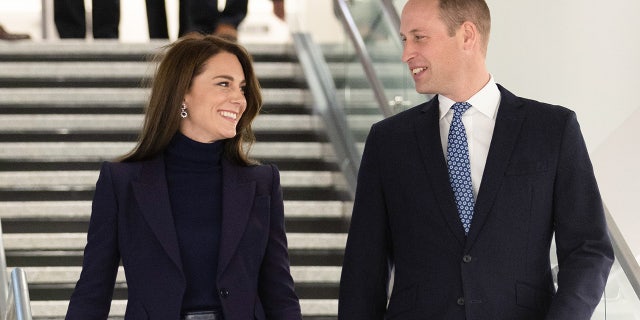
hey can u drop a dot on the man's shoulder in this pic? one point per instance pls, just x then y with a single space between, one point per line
405 117
532 107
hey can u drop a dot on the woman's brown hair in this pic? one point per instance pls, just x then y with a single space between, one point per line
180 62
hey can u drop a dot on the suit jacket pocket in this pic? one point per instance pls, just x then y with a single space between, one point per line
402 300
525 168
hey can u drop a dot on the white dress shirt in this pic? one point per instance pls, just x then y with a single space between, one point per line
479 121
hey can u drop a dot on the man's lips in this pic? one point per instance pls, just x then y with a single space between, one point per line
415 71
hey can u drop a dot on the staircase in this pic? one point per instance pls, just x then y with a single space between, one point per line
67 106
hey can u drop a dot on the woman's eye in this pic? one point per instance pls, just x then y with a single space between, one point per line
224 84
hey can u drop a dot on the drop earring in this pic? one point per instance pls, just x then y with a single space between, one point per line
183 110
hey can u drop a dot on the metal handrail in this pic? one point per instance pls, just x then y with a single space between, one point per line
321 85
19 307
623 253
4 282
15 303
365 58
391 14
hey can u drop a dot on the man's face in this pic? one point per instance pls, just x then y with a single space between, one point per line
432 55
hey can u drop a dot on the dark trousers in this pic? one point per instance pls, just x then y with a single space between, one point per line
195 16
69 17
157 19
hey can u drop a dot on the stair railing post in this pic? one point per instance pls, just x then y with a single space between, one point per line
4 281
20 289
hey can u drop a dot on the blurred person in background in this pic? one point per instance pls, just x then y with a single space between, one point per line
70 19
203 16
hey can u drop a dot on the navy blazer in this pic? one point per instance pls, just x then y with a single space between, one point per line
538 180
131 221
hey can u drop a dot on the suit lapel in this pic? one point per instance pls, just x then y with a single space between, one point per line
505 135
237 201
151 192
427 131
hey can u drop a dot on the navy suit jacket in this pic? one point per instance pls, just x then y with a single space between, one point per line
538 180
131 221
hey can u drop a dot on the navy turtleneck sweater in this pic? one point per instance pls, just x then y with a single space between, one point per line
194 177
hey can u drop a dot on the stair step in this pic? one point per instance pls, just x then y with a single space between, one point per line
135 70
124 97
71 274
97 107
312 309
64 124
114 50
96 151
318 164
73 216
88 123
86 180
77 241
82 74
25 258
81 210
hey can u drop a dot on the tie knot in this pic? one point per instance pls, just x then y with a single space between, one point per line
460 107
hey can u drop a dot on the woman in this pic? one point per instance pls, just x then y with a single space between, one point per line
199 226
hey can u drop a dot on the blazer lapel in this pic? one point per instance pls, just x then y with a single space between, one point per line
427 131
237 201
152 193
505 135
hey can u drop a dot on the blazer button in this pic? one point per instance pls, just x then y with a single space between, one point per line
460 301
224 292
466 258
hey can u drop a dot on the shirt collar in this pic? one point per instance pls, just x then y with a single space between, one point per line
486 101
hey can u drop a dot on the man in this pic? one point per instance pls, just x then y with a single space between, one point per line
462 195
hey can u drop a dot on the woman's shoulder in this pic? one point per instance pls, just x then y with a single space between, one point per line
130 169
256 172
122 167
266 170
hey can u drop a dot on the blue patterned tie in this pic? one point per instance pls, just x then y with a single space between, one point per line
459 166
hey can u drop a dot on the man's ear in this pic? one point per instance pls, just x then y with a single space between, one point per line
470 34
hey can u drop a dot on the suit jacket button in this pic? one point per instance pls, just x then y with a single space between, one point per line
224 292
466 258
460 301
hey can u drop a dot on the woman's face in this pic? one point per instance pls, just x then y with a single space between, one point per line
215 101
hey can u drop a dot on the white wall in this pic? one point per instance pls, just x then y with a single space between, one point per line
585 55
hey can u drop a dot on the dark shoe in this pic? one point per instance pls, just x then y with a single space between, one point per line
4 35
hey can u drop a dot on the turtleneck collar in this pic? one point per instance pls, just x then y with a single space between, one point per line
188 153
